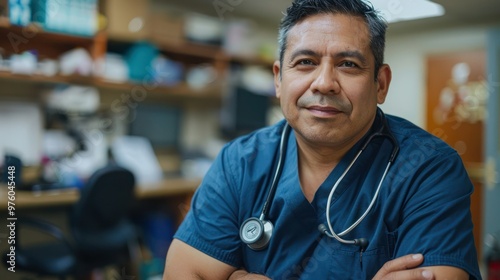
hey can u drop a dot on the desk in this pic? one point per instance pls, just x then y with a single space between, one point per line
33 199
45 205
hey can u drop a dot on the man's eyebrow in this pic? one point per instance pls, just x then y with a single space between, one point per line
355 54
344 54
305 52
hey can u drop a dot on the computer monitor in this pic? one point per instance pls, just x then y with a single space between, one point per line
159 123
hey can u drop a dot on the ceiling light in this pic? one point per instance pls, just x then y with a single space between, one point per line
401 10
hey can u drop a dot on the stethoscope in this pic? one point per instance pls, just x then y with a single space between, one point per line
257 232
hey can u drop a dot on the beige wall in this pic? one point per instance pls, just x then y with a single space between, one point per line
406 54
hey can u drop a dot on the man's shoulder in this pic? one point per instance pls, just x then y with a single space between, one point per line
411 136
266 138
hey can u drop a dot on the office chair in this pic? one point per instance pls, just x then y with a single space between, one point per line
99 226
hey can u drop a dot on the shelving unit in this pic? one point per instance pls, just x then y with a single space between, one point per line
180 91
17 39
51 45
196 104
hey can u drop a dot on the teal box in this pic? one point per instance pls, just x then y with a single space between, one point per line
20 12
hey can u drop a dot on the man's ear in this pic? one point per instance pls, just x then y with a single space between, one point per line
277 78
384 78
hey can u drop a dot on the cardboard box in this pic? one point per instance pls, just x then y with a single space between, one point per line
127 19
167 28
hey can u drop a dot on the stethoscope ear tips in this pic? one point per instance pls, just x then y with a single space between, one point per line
322 228
362 243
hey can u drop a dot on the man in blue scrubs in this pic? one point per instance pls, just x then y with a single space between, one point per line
330 79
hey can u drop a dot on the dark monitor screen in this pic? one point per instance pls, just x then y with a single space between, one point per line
244 112
159 123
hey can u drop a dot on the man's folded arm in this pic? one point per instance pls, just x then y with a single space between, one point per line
187 263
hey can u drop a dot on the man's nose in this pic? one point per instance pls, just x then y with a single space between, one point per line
326 80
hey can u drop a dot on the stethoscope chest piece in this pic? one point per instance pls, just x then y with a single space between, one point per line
256 233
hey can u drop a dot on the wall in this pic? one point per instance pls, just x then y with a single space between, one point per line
406 54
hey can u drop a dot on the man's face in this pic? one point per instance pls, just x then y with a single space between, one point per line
327 89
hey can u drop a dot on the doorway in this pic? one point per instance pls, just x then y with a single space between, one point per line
456 112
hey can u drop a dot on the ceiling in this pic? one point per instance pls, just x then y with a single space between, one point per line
269 12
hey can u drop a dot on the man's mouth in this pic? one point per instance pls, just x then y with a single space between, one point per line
323 111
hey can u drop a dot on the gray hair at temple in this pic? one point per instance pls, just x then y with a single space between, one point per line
301 9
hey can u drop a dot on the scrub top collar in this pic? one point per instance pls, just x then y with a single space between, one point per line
290 181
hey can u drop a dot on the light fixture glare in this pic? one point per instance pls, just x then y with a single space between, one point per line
403 10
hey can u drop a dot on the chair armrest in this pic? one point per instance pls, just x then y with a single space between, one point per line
42 226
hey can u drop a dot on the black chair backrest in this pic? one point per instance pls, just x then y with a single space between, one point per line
102 210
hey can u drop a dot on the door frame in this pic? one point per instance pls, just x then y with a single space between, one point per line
491 198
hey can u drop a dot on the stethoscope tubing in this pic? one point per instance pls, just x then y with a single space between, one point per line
362 217
383 132
277 174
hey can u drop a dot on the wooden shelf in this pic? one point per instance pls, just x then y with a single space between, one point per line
189 49
199 50
34 30
193 50
41 79
52 45
17 39
4 22
181 90
250 60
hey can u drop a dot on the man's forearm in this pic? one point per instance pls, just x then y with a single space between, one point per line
243 275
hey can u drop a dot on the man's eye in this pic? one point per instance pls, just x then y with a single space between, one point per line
305 62
349 64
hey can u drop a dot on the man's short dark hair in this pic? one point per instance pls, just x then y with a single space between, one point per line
301 9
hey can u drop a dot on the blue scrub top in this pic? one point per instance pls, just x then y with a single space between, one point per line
423 207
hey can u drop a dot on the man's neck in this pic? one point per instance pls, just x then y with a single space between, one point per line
314 166
316 161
